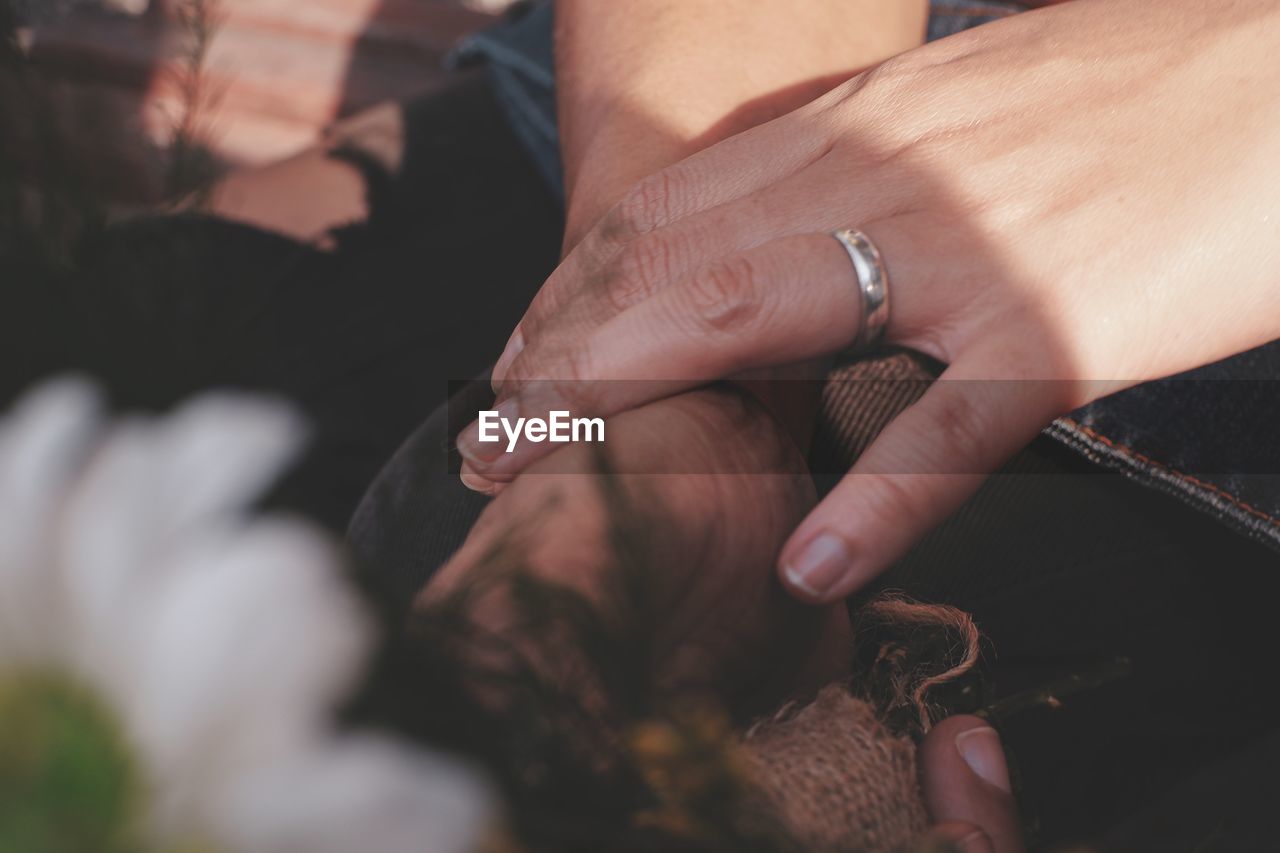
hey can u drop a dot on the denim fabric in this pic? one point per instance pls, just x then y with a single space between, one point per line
521 63
1205 437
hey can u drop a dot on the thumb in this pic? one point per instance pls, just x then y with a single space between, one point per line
966 787
931 458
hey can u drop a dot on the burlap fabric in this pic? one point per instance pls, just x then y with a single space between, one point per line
835 778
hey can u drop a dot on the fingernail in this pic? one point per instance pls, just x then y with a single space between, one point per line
473 449
475 482
820 565
509 354
479 452
975 842
980 748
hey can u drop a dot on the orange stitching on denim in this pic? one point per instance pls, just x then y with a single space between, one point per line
1217 490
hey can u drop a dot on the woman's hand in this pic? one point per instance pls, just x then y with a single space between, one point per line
1069 202
618 65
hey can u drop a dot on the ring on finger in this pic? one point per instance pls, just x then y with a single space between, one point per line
873 286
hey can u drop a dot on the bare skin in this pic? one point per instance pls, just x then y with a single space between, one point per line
966 788
1048 225
644 84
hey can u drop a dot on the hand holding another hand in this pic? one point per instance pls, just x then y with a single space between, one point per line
1068 202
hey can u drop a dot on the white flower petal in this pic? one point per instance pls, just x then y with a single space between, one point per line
362 793
222 645
222 452
152 487
42 444
249 646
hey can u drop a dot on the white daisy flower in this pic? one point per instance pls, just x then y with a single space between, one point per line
219 645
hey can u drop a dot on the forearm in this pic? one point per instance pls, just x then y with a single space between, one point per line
645 83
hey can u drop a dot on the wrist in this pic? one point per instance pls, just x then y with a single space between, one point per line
646 84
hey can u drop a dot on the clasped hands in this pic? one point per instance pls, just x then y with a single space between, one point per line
1069 202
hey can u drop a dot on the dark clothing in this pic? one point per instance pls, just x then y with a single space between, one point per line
363 339
1064 566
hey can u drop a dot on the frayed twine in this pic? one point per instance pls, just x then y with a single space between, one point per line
904 650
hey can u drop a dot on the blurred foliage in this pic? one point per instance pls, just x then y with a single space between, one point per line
67 781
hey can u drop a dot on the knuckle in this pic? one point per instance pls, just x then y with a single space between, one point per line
545 307
883 103
578 385
871 85
576 366
535 320
517 376
898 69
641 269
727 295
523 368
895 496
649 205
961 430
547 360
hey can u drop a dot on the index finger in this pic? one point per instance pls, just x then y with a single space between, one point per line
786 301
730 170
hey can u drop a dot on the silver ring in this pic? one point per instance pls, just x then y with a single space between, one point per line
873 286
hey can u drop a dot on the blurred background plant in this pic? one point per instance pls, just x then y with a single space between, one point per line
170 664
